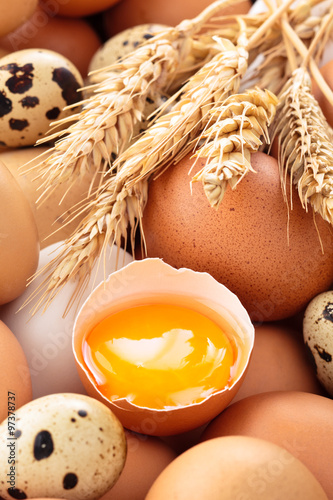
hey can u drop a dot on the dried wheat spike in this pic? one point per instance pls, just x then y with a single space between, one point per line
239 123
305 145
121 201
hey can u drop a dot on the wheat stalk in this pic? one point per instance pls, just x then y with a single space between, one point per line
305 145
104 127
236 133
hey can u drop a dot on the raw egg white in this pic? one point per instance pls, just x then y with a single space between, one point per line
152 282
244 244
15 380
300 422
19 248
75 39
236 468
46 337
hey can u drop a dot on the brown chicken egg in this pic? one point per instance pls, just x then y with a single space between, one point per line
127 13
75 39
15 380
77 8
19 249
13 13
273 265
300 422
52 215
279 362
236 468
146 458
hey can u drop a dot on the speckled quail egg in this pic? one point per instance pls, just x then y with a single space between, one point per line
122 44
35 87
318 336
61 446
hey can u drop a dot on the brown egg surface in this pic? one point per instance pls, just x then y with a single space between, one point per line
147 457
300 422
244 244
279 362
52 215
15 380
75 39
19 249
236 468
15 13
127 13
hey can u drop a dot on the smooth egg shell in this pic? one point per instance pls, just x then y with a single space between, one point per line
69 446
275 267
15 13
19 249
46 337
146 458
36 85
52 216
300 422
279 362
129 13
151 277
318 336
236 468
75 39
15 380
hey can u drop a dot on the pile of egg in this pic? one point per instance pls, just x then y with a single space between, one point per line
269 438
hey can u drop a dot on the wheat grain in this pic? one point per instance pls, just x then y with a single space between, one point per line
305 145
236 133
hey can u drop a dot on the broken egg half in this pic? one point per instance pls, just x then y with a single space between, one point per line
165 349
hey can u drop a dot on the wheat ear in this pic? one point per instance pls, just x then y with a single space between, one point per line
235 134
305 145
104 128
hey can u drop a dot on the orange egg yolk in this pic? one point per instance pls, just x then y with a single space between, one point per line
159 355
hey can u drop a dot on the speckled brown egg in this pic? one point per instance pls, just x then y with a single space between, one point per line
35 86
318 336
275 267
65 446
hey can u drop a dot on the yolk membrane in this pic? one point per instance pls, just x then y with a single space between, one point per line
159 355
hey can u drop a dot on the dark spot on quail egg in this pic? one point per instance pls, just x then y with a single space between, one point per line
21 81
82 413
328 312
326 356
29 101
17 433
18 124
68 84
53 113
16 493
70 481
5 104
43 445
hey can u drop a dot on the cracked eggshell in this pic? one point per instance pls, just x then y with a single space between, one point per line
152 277
318 336
35 87
67 446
